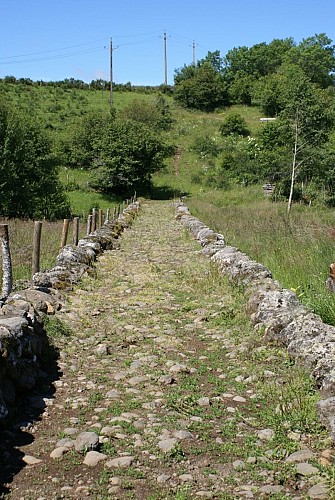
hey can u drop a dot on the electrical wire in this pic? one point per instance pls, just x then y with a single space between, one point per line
60 56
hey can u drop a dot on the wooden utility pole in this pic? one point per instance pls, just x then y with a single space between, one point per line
165 59
111 75
193 52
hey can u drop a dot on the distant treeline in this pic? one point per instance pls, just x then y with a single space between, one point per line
98 84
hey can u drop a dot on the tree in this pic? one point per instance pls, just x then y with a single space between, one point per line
244 66
234 124
316 57
126 156
204 90
79 149
302 130
29 185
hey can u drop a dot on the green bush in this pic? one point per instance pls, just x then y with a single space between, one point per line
234 124
126 156
29 185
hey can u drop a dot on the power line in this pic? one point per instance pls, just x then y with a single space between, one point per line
77 45
52 50
60 56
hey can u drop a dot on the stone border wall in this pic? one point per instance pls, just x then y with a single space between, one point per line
276 310
22 334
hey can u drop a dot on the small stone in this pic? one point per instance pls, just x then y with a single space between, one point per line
204 494
271 489
120 462
59 452
183 434
238 464
167 444
186 478
305 469
30 460
239 399
163 478
318 491
179 367
66 488
70 431
166 380
93 458
138 380
101 349
203 401
324 461
266 434
300 455
66 442
295 436
86 441
113 394
269 374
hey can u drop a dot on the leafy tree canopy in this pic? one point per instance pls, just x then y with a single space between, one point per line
126 156
29 185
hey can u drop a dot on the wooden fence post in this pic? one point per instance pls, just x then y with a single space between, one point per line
114 213
35 267
7 275
100 218
94 219
64 233
89 225
108 214
75 231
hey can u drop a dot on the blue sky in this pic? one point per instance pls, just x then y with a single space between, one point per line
57 39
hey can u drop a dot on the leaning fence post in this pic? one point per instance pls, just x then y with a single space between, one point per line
7 275
64 233
35 268
94 219
89 225
75 230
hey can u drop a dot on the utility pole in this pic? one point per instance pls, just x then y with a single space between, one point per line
165 59
193 51
111 75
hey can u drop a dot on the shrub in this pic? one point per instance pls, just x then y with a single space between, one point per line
234 124
29 185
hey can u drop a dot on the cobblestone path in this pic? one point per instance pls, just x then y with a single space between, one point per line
165 389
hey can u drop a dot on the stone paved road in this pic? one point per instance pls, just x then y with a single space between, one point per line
164 387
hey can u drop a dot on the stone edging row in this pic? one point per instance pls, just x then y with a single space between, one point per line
23 338
276 310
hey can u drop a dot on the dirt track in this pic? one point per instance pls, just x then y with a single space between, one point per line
164 367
